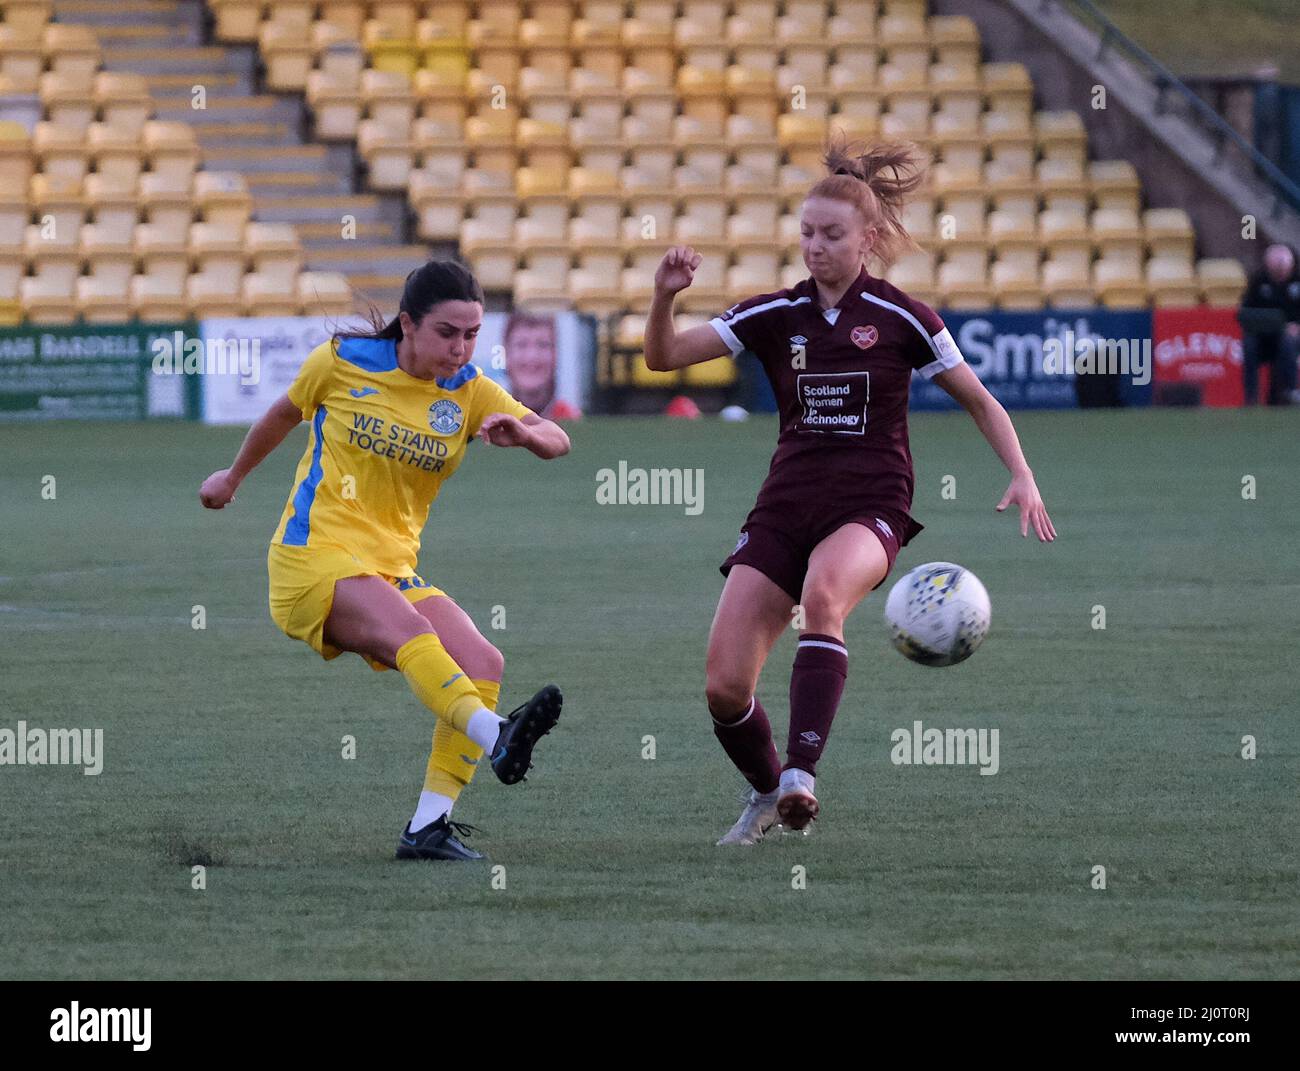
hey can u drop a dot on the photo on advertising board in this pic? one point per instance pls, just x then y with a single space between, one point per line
544 359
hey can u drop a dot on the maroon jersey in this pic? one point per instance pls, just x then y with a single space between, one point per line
841 378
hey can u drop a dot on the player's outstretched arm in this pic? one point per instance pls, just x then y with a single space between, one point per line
964 387
264 436
542 437
665 348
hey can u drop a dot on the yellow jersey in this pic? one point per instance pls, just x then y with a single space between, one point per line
381 444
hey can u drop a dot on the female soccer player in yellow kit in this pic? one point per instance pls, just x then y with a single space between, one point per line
391 415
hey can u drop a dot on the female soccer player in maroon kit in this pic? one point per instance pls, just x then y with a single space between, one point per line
839 349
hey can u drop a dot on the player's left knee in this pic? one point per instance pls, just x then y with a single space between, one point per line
823 610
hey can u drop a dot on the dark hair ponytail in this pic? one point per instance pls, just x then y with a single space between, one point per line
433 282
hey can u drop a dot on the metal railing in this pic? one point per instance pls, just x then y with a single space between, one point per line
1221 132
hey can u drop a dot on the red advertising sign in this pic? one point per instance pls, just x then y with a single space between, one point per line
1201 348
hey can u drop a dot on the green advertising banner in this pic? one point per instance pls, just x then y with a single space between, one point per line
90 372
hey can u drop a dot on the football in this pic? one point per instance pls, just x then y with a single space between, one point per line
938 614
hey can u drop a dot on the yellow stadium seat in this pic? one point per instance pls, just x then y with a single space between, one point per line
54 255
218 251
123 101
336 105
324 293
11 312
114 206
1222 280
1169 233
1172 282
1062 184
1014 236
389 153
237 20
287 53
103 299
222 197
348 16
1068 284
389 98
1117 234
271 295
212 295
1119 283
116 152
1066 238
1016 285
160 252
390 51
48 299
274 249
159 297
66 105
1114 184
399 16
803 22
61 151
1008 88
956 39
964 285
12 269
1061 136
57 201
167 208
750 21
21 58
109 255
914 273
13 216
439 205
72 53
172 151
16 160
905 39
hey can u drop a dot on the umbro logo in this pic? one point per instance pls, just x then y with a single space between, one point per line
810 737
798 340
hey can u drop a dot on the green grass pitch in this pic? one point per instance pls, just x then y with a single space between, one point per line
1119 747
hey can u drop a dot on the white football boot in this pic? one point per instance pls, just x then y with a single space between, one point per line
796 806
756 819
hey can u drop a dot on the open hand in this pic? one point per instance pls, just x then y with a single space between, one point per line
1023 492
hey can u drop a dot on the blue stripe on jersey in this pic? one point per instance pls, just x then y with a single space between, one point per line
462 377
369 354
299 526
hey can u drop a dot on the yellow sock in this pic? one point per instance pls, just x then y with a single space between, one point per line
455 756
437 681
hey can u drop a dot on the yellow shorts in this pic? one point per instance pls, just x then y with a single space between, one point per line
302 591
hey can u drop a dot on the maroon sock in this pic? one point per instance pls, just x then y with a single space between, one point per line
748 744
820 668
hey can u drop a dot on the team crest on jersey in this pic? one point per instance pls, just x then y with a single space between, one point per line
864 336
445 417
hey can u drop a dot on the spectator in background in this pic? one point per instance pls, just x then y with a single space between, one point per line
530 359
1275 287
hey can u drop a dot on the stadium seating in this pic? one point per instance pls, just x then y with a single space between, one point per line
106 213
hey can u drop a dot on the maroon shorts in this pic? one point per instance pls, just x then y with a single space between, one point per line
778 541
